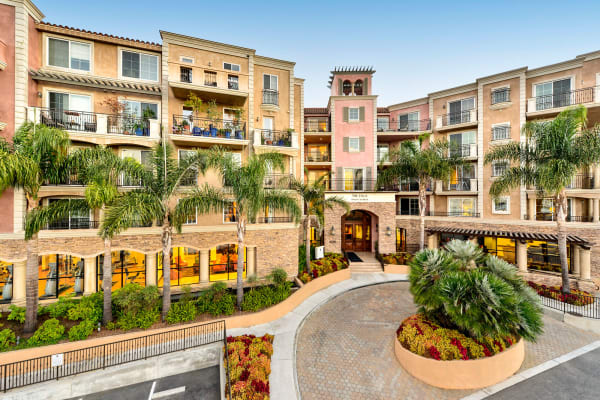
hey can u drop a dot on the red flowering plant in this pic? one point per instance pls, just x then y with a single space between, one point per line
576 297
331 262
250 365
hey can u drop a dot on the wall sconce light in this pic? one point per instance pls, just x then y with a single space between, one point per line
39 94
257 118
388 231
332 231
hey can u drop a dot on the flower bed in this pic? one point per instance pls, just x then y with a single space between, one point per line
400 258
428 339
576 297
330 263
250 365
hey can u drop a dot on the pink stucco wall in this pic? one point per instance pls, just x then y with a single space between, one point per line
352 78
35 62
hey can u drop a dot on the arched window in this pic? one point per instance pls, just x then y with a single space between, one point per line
347 87
223 262
127 267
6 281
185 267
358 87
60 275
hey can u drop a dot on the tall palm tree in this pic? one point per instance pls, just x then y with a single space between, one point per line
245 188
422 163
313 195
37 155
100 169
162 184
553 152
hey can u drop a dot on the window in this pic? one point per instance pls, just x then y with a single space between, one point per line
382 152
358 87
69 54
223 261
233 82
501 205
6 280
408 122
499 168
463 178
553 94
463 144
501 132
75 220
347 87
400 239
544 256
229 213
231 67
139 66
354 145
270 82
127 267
503 248
191 177
353 179
500 95
210 78
353 114
185 74
383 124
461 207
67 101
140 109
187 60
185 267
408 206
459 111
60 275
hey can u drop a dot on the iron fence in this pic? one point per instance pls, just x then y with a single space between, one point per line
270 137
311 125
564 99
500 95
273 220
461 117
72 120
221 128
271 97
56 366
454 214
278 181
402 125
577 304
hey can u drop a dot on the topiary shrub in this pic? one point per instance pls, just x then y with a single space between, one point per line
50 332
136 306
479 295
184 310
82 330
16 314
7 339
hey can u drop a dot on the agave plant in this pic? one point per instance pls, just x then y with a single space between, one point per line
480 295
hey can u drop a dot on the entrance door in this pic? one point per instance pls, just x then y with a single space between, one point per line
357 231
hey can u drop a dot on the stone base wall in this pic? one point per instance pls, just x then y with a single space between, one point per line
548 279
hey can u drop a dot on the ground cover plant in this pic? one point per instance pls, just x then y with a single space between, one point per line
249 359
575 297
330 263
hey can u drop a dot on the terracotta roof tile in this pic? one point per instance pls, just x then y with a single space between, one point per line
382 110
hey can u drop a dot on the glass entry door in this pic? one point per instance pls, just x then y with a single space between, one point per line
356 231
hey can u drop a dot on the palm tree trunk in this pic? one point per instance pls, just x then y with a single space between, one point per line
307 247
167 237
107 282
422 209
562 240
241 225
31 285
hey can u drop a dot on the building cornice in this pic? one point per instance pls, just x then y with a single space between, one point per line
455 90
502 76
589 56
558 67
369 97
407 104
203 44
274 63
29 6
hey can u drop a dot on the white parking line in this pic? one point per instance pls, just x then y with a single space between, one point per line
152 390
169 392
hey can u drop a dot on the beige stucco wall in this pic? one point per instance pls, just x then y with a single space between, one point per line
281 116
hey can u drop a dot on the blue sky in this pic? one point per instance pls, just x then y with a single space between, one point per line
417 47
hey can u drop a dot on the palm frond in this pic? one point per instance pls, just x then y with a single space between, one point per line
38 218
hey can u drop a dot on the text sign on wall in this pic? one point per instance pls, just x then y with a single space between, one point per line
359 197
57 360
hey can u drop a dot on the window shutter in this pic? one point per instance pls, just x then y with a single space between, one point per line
361 145
340 87
346 145
339 177
366 87
345 114
368 176
361 114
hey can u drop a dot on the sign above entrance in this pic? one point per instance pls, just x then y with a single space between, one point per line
361 197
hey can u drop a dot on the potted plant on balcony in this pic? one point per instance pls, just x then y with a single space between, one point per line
186 126
213 115
147 115
195 103
239 118
228 130
116 108
138 128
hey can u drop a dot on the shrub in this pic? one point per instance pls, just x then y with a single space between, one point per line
16 314
88 308
136 306
278 276
250 365
400 258
331 262
217 300
50 332
184 310
7 339
82 330
576 297
480 295
61 308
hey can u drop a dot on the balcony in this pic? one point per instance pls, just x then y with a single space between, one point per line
311 126
223 87
203 130
470 214
317 157
456 120
270 98
552 217
501 133
463 150
273 220
414 126
552 103
278 181
98 128
460 185
73 223
500 96
273 140
582 181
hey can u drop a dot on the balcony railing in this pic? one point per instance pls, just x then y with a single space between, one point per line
185 75
404 126
453 214
271 97
128 125
565 99
463 150
501 133
269 137
582 181
73 223
501 95
228 129
210 79
316 126
552 217
278 181
273 220
457 118
81 121
460 185
317 157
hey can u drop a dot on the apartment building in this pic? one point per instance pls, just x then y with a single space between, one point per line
348 139
129 95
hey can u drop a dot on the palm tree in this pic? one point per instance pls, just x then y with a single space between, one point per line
553 152
37 155
245 191
412 161
100 169
313 195
162 184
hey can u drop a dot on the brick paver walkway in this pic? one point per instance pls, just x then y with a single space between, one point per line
345 348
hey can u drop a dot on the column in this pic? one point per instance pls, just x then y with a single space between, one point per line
18 297
597 176
596 210
531 208
433 241
584 262
89 275
151 269
575 258
251 261
474 240
522 255
204 266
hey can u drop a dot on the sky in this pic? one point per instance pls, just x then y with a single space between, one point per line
416 47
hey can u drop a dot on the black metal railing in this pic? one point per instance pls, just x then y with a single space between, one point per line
232 83
404 126
269 137
501 132
460 184
228 129
185 75
46 368
500 95
271 97
582 181
461 117
552 217
124 124
564 99
72 120
73 223
316 126
278 181
273 220
317 157
210 79
462 150
453 214
577 304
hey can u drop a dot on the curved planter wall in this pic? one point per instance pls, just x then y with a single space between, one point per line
461 374
396 269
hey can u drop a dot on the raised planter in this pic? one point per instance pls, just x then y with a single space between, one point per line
396 269
462 374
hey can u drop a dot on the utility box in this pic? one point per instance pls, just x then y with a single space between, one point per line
319 252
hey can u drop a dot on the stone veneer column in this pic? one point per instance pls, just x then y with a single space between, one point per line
597 176
18 297
89 275
576 260
596 210
522 255
531 208
250 261
204 265
584 262
151 269
433 241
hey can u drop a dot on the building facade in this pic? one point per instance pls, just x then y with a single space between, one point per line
130 95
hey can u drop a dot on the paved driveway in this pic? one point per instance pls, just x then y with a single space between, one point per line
344 349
